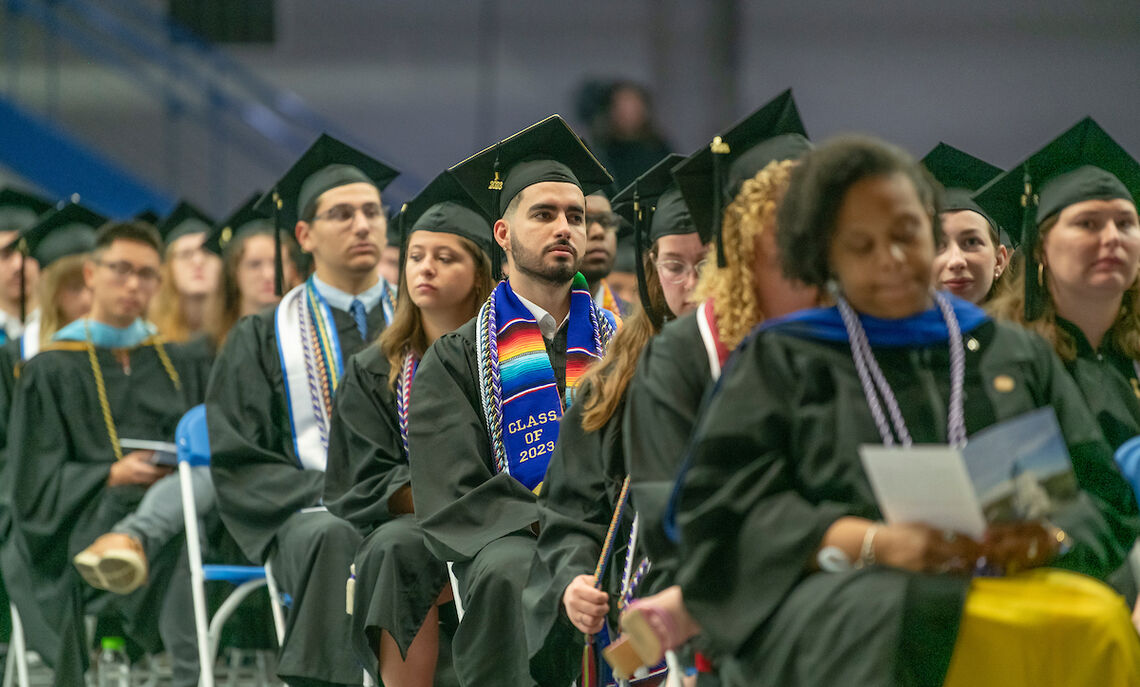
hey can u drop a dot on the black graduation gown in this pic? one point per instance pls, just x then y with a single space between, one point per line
575 508
1107 378
61 459
7 387
662 402
397 579
471 514
775 463
262 489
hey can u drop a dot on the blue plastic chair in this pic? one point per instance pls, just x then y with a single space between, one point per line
193 442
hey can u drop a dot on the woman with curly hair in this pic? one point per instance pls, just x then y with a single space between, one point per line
565 602
679 365
787 564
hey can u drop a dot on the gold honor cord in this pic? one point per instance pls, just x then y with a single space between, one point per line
101 387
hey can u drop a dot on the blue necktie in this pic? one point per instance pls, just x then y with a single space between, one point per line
356 309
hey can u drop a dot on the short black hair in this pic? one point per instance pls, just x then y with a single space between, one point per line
139 232
806 217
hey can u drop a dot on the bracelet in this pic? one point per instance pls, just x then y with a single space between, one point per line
867 550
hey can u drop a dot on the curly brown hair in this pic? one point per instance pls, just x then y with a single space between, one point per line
731 286
1009 304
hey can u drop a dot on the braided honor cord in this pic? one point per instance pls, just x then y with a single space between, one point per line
403 399
872 379
490 387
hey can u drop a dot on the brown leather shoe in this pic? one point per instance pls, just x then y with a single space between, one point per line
114 562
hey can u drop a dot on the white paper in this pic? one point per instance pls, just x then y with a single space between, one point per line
924 484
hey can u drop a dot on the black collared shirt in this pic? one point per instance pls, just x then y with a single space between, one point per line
1107 379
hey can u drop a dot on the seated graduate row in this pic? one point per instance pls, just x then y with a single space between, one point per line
530 437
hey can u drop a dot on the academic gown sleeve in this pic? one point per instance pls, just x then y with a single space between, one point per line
575 508
258 482
661 407
53 483
366 463
462 503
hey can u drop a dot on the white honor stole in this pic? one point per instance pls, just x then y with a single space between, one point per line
311 364
30 339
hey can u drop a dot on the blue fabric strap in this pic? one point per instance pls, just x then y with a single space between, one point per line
356 309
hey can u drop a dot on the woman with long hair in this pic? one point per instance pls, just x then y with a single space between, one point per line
244 242
786 563
182 308
970 257
1083 296
565 602
398 585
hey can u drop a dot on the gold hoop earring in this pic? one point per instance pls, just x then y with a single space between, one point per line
1040 274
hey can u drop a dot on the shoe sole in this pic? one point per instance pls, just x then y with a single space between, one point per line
119 572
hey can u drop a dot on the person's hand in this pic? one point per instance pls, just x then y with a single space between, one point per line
921 548
136 468
585 606
1015 546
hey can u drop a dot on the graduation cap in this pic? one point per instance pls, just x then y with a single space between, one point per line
962 174
1084 163
546 151
184 220
655 206
67 231
712 176
149 216
327 164
19 209
444 206
242 221
393 235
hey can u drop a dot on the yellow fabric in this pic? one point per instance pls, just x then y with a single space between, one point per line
1044 628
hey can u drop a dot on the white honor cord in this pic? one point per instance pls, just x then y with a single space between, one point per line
872 379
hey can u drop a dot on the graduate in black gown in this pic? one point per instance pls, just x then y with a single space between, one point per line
103 380
398 582
270 401
972 255
488 397
564 601
682 362
785 563
19 210
1085 297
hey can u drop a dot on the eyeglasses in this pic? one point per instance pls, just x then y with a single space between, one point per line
608 220
345 213
148 276
188 253
677 271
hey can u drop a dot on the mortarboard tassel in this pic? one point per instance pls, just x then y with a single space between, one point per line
278 264
496 189
1034 271
719 149
403 228
23 248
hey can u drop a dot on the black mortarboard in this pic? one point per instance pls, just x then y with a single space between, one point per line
393 234
244 220
546 151
149 216
183 220
444 206
1084 163
656 207
712 176
326 165
67 231
20 209
961 175
58 234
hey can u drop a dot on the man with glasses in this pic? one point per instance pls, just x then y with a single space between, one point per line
602 226
82 406
270 401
